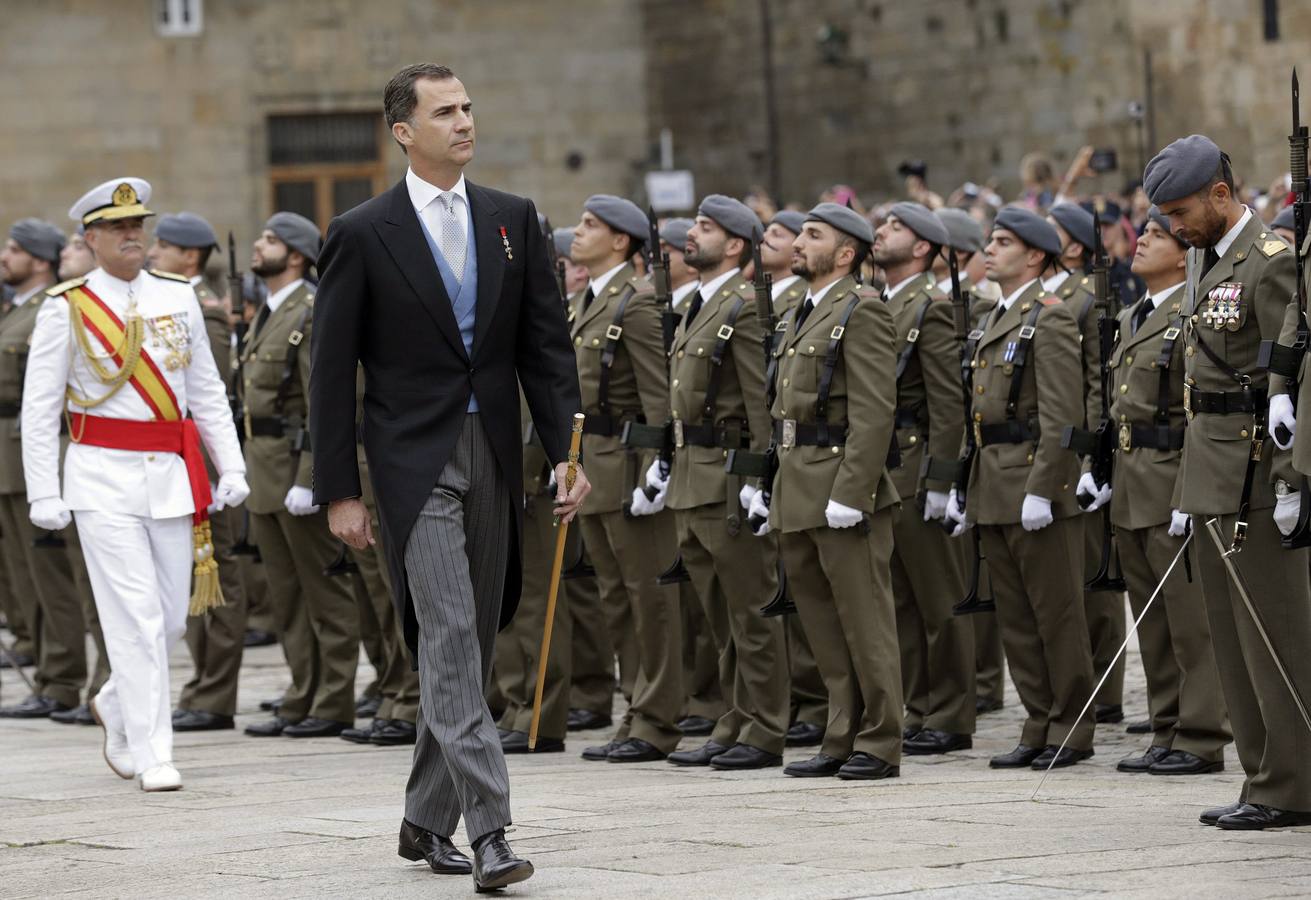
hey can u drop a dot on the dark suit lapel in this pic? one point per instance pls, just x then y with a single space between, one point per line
402 235
491 259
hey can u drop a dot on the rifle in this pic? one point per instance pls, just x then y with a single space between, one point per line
242 546
1099 444
1274 357
552 257
971 603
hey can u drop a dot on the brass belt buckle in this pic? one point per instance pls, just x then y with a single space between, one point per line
789 434
1188 402
678 433
1126 437
978 434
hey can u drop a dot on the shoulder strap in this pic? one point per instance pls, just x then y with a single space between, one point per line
1020 360
289 367
912 338
717 361
830 367
612 335
1163 359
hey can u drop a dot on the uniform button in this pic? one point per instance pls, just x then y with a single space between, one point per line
1029 458
983 364
978 417
1124 389
578 342
725 454
1128 360
792 351
681 354
1188 351
810 349
676 382
834 449
1194 320
1124 418
786 382
1243 433
914 439
979 389
1153 365
596 342
700 351
973 364
783 412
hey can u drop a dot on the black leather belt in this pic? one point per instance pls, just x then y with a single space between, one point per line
908 418
1223 403
1010 432
276 427
1134 436
729 437
605 426
791 433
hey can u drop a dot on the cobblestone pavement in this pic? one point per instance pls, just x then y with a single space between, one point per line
285 818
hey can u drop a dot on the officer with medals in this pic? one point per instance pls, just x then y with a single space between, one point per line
121 357
832 500
1027 388
1188 723
928 567
1240 281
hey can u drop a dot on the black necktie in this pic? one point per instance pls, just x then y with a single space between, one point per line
588 298
260 318
1140 315
805 310
998 313
695 307
1209 259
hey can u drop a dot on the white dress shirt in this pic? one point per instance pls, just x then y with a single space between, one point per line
680 294
423 195
782 285
710 287
598 284
1005 302
275 299
1051 284
892 291
1223 245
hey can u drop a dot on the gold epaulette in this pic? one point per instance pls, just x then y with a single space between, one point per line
65 286
170 276
1272 247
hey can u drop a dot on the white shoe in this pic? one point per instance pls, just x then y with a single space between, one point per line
116 750
162 777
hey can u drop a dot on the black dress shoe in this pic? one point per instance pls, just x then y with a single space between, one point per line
986 705
199 720
517 742
867 767
818 766
1144 762
310 727
1181 762
22 659
701 756
1256 817
1019 758
1214 815
495 866
270 705
73 716
437 851
1109 713
803 734
256 638
601 751
395 733
1050 758
362 735
586 720
1141 727
366 707
743 756
272 728
634 750
696 726
34 707
929 741
910 731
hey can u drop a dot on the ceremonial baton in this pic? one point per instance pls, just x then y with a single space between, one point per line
1118 653
571 472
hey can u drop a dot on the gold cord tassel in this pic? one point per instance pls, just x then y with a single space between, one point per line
206 593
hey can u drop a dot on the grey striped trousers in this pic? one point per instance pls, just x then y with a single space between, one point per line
455 560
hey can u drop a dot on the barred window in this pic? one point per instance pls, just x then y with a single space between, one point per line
322 164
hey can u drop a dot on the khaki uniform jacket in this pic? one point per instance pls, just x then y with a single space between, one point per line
698 477
862 398
16 328
1076 292
1051 394
271 465
219 330
1216 447
639 383
790 299
1144 477
929 388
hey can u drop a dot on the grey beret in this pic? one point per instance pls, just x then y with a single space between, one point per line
185 230
789 219
39 238
733 216
1077 222
1183 168
963 230
674 232
844 219
1284 219
921 220
297 232
1029 227
620 214
563 239
1154 214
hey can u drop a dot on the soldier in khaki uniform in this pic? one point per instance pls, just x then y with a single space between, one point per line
717 401
1189 725
1104 609
832 500
40 577
183 243
617 333
1027 388
318 621
1240 280
928 567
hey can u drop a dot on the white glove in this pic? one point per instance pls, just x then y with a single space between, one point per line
1036 512
1287 508
657 476
746 495
300 501
759 510
231 490
840 516
1087 487
50 514
935 505
1281 413
1179 523
644 507
956 513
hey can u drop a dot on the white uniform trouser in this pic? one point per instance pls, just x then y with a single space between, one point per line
140 572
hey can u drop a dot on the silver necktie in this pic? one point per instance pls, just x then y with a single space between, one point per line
453 244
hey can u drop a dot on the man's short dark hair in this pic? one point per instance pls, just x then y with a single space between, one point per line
1223 173
399 97
745 256
860 247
